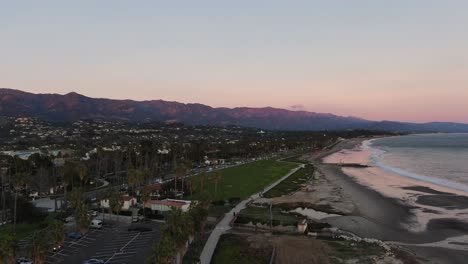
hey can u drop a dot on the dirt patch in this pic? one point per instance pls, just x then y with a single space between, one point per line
318 194
294 249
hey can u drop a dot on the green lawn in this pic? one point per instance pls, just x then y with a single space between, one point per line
262 215
233 249
245 180
23 230
292 183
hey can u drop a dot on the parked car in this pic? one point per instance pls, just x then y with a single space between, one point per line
23 260
74 235
94 261
96 224
139 229
135 219
92 213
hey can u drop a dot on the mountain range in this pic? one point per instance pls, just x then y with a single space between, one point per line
72 106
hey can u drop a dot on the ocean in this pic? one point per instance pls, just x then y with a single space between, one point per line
440 159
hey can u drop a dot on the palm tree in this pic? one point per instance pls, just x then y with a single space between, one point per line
19 180
57 231
82 172
75 197
115 203
68 172
8 249
199 214
39 247
135 177
191 185
202 180
82 218
216 178
180 227
164 252
145 196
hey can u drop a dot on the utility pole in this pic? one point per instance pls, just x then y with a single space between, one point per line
271 216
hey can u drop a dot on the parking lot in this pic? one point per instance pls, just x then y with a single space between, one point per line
112 244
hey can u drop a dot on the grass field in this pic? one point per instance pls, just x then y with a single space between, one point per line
234 249
262 215
292 183
295 159
244 180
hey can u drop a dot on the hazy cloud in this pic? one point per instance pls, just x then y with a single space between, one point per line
298 107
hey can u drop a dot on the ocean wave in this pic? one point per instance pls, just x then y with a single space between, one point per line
376 159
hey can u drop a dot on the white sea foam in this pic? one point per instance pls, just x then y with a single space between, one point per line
377 156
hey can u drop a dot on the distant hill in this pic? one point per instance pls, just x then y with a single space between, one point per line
73 106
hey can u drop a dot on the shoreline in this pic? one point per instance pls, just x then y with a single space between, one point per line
388 218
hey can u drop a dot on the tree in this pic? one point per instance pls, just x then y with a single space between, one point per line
145 196
115 203
39 246
8 248
83 173
135 177
80 209
75 197
192 185
82 218
203 177
164 252
57 232
216 179
199 214
68 173
179 226
19 180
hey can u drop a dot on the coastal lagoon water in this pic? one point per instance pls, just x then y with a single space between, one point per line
440 159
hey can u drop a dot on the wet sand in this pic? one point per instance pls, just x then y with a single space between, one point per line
388 218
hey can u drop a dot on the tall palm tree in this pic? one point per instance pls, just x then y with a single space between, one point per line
115 203
8 249
135 177
202 180
19 180
192 185
216 179
145 196
68 172
82 218
39 246
57 232
180 227
164 252
83 172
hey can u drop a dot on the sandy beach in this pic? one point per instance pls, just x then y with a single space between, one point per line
427 220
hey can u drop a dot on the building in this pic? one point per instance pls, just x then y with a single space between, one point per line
128 202
167 205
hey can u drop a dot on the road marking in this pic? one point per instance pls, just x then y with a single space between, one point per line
122 248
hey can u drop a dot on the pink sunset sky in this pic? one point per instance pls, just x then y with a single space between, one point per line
404 62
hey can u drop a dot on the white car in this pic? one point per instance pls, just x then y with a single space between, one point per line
24 260
96 224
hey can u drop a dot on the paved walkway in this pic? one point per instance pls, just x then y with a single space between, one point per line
223 225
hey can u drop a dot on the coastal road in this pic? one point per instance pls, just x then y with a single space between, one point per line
224 224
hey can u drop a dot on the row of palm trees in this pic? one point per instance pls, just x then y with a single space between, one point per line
179 230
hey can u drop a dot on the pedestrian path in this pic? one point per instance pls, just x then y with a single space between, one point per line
224 224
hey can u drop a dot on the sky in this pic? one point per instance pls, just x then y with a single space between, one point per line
380 60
